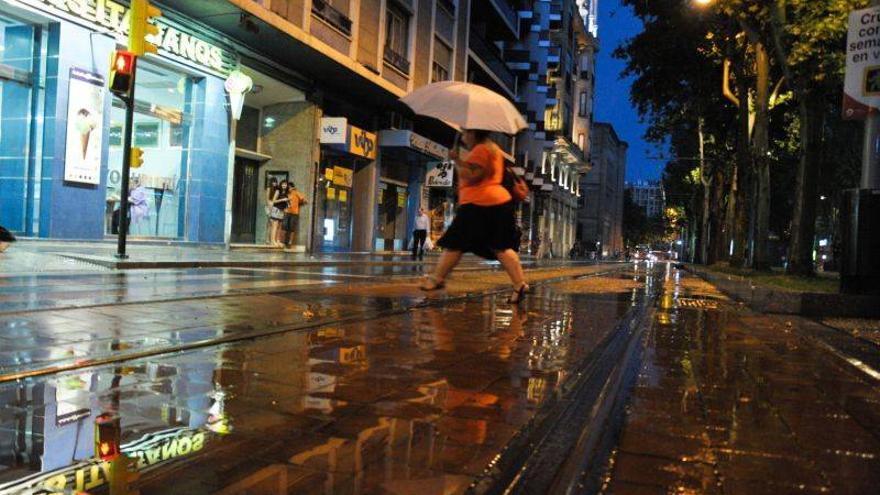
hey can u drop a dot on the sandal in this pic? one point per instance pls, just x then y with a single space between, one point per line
431 284
519 295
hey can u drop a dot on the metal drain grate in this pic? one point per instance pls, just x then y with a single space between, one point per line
696 303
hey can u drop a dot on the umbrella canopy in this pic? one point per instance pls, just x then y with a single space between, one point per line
466 106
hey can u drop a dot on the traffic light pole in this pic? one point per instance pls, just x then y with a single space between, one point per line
124 213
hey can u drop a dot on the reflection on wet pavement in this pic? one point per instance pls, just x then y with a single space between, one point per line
418 402
729 401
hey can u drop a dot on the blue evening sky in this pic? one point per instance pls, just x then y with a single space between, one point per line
617 23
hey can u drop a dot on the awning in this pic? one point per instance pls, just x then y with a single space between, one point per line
400 138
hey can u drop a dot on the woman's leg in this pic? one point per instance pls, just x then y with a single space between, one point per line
510 261
447 262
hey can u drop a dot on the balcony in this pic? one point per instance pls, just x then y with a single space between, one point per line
490 55
324 11
507 12
396 60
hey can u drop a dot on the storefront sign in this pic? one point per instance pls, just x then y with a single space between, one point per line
343 195
362 143
151 449
343 176
333 130
108 15
237 85
440 175
85 127
409 139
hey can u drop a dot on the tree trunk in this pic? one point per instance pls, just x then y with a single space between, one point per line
742 206
706 180
803 222
762 162
717 250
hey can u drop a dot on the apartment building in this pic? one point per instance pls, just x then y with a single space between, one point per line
555 62
600 212
650 196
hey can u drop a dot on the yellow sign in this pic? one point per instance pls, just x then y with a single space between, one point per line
401 199
343 195
343 176
331 193
362 143
328 173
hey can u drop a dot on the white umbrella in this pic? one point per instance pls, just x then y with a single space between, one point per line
466 106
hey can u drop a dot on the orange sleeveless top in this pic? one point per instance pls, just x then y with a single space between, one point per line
489 191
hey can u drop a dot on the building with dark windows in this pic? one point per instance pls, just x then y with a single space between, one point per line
555 62
600 212
649 195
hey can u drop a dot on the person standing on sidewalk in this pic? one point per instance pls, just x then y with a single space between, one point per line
485 222
295 199
272 221
420 234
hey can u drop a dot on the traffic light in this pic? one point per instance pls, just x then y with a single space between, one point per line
139 27
107 437
122 72
137 157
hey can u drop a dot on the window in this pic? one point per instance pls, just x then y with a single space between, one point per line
442 61
582 104
397 37
582 141
162 127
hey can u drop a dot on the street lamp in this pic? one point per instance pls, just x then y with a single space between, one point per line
703 3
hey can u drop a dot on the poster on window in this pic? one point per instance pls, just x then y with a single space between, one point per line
440 174
85 127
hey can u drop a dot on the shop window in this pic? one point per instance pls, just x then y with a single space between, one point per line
582 141
397 37
442 61
17 89
161 129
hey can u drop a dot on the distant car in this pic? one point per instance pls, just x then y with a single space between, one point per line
659 256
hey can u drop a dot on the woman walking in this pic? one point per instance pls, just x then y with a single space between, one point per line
484 223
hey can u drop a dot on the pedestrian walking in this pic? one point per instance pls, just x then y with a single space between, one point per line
290 225
420 234
271 223
6 238
485 222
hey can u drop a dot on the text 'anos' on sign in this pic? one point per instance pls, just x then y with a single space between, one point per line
862 84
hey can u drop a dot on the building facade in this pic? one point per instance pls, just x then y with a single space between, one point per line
555 61
649 195
600 212
308 91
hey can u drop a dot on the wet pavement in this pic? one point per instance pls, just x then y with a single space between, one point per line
730 401
359 383
417 401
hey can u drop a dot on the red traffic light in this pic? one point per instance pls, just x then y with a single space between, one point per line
107 437
123 62
122 67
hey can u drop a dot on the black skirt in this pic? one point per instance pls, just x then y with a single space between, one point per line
483 230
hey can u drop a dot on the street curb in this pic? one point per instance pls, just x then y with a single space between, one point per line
564 447
68 365
814 304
